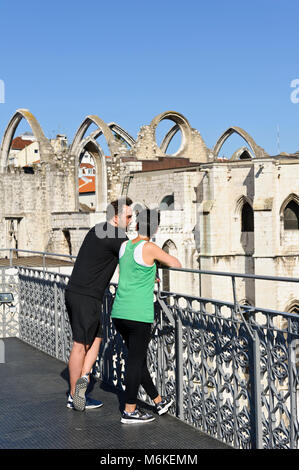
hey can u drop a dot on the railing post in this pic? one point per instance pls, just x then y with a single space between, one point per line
56 321
257 441
179 367
293 344
160 355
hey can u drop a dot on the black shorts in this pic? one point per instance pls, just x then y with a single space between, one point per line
85 314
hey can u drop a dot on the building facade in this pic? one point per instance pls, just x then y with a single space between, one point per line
228 215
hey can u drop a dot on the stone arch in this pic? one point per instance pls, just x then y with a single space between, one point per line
192 145
168 138
122 133
243 153
167 200
258 152
293 306
92 147
119 131
170 246
292 197
245 230
182 124
240 203
76 150
103 129
46 149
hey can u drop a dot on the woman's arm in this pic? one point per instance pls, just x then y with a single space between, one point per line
152 252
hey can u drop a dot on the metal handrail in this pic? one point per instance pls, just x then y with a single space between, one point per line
242 275
185 270
233 276
37 252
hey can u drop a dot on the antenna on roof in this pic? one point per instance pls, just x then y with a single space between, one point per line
278 139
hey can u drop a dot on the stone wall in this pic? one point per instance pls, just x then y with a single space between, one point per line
269 250
40 210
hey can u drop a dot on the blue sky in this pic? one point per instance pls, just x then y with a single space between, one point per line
218 63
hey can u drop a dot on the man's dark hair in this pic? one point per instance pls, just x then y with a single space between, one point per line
148 221
116 207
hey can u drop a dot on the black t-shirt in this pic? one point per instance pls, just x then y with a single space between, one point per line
97 260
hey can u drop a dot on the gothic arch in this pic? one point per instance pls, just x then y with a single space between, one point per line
182 124
170 246
283 219
291 197
103 129
256 149
122 133
114 148
92 147
168 138
119 131
163 199
45 147
243 153
293 306
240 203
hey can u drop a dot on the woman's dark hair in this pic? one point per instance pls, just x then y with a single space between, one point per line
148 221
116 207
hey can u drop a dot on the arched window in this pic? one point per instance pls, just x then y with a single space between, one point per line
167 203
245 155
291 216
247 218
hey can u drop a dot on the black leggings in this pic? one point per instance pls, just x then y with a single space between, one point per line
136 336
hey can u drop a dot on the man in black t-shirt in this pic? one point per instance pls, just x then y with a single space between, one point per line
94 267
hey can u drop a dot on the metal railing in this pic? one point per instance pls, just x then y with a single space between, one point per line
231 368
43 254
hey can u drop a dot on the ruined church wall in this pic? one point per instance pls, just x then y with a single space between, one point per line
30 199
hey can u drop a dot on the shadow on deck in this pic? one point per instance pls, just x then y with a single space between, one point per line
34 415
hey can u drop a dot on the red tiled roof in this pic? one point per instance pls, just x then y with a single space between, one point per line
87 185
86 165
19 144
29 164
165 163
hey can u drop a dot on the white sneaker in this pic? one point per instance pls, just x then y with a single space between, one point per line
163 406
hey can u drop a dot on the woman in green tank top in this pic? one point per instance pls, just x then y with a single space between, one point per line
133 312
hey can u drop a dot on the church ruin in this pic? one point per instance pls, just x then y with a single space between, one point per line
236 215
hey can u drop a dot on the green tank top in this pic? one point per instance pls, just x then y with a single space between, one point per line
134 298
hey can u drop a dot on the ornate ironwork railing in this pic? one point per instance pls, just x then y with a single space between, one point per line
232 369
9 325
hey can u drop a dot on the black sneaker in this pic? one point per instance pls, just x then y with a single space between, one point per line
163 406
136 416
